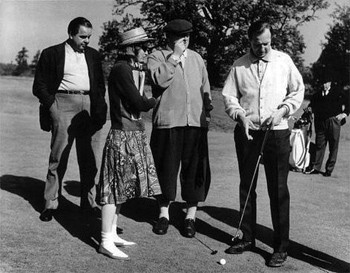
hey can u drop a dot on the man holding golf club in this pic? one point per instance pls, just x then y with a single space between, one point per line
262 89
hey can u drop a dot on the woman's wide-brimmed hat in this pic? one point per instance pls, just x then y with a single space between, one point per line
134 36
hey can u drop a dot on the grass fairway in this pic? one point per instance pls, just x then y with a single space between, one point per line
320 209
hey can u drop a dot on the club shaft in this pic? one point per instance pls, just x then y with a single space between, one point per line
252 180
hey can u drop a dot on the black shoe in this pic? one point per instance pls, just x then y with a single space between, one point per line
239 247
161 227
46 215
189 229
312 171
327 174
278 259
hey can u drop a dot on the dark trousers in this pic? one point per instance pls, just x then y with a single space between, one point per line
71 121
275 160
188 146
327 130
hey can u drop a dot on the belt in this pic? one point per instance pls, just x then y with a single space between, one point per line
73 92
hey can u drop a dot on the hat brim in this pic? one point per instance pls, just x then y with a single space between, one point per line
137 41
179 33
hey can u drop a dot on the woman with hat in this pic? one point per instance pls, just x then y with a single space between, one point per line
127 169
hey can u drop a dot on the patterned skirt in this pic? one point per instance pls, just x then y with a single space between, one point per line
127 169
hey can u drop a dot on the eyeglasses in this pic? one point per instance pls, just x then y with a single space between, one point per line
144 46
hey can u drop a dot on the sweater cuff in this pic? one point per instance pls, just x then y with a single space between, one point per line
47 101
285 106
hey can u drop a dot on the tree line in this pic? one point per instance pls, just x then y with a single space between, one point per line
22 67
220 33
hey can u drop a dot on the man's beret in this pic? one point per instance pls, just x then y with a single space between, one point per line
178 27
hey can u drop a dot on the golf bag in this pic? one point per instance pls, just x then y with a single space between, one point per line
299 158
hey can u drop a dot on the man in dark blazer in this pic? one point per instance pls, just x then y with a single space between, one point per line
70 86
330 106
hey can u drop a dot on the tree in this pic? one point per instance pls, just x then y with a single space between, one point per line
334 60
35 59
220 26
22 64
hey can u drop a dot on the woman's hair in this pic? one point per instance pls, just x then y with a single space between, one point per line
74 25
258 27
127 53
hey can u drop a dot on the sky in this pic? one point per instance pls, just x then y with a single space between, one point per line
37 24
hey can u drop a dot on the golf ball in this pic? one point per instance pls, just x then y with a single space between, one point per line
222 261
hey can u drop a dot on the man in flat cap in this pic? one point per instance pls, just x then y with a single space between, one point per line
180 124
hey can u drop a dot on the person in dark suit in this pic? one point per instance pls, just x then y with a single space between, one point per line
330 107
70 86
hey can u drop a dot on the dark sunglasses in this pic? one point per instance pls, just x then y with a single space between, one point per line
144 46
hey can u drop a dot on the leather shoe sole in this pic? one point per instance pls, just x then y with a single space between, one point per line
240 247
189 229
161 227
46 215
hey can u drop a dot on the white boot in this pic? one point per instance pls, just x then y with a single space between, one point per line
119 242
107 247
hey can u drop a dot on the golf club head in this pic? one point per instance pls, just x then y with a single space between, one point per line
235 238
214 252
238 235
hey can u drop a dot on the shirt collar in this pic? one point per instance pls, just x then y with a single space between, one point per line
266 58
72 49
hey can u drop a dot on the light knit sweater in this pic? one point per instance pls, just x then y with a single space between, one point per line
280 85
183 94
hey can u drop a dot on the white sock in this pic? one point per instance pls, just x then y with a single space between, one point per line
191 212
107 240
164 212
114 230
117 239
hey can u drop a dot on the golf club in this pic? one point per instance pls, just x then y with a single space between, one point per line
234 238
213 252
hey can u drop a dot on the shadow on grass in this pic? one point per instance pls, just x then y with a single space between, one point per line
141 210
265 235
82 226
87 228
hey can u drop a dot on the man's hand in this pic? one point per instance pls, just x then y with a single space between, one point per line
246 124
276 117
179 48
340 116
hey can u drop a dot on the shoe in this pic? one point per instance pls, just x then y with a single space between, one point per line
119 255
312 171
239 247
327 174
278 259
119 242
161 227
46 215
189 229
